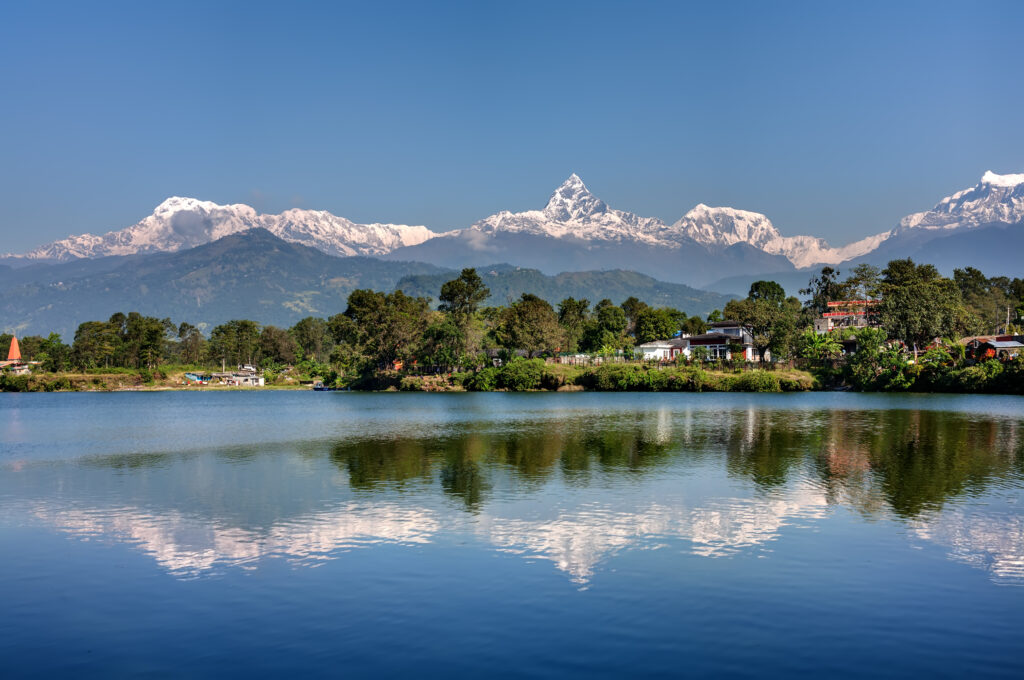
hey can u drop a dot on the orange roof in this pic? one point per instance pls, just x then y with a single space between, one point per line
14 354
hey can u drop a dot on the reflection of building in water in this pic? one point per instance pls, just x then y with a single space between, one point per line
991 542
187 545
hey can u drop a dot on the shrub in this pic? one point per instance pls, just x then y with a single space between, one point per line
521 374
757 381
14 383
411 383
484 380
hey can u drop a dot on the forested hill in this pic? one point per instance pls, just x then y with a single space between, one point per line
507 283
250 275
255 275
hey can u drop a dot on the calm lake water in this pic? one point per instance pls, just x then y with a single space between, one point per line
494 535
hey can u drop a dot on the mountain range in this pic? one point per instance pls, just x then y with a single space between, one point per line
204 262
575 230
257 275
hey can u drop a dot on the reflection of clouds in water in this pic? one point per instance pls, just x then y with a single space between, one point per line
991 542
576 542
187 545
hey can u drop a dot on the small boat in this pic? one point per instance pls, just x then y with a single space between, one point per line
319 386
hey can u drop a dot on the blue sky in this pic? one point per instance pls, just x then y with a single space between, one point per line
833 119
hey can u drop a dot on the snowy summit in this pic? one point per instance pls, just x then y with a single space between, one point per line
572 212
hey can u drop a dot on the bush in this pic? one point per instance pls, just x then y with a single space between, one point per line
14 383
484 380
757 381
519 375
411 383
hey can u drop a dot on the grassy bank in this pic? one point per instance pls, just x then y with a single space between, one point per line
519 376
119 380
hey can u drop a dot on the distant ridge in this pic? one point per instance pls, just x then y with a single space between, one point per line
256 275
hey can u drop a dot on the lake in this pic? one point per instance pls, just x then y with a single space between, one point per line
510 535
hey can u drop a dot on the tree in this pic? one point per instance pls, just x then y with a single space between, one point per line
814 345
985 298
95 344
461 297
191 343
277 345
530 324
769 291
823 289
632 307
770 316
54 354
694 326
657 324
918 304
235 342
605 327
442 343
388 325
863 282
573 315
313 338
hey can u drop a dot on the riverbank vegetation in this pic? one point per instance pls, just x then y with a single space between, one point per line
396 341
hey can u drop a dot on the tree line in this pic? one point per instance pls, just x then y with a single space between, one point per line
377 329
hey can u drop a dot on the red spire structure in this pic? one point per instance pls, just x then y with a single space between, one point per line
14 353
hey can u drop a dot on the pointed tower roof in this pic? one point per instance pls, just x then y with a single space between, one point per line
14 353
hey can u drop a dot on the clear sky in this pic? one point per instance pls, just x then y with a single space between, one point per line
834 119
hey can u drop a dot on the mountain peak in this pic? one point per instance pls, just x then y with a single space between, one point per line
178 203
572 201
998 180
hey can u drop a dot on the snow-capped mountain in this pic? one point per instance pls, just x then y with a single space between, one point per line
573 215
180 223
996 199
728 226
574 212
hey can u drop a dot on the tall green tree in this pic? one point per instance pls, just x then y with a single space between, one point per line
573 315
918 304
235 342
770 316
389 325
313 337
461 297
823 289
278 346
632 307
530 324
658 324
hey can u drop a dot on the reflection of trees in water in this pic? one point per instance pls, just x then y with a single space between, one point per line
464 461
909 461
920 459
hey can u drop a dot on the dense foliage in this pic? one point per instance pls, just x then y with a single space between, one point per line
379 332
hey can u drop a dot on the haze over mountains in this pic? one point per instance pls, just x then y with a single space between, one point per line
205 262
